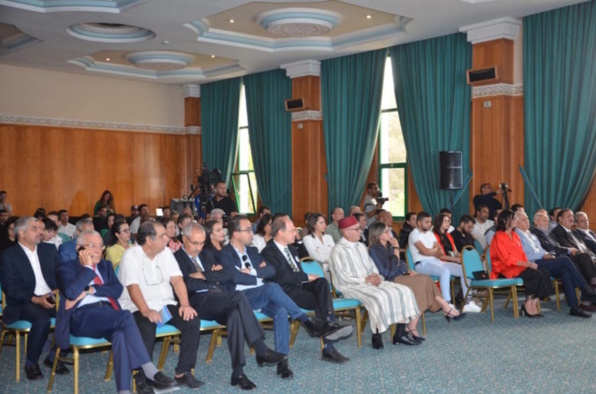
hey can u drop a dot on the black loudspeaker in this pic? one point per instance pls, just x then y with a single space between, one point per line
294 104
451 170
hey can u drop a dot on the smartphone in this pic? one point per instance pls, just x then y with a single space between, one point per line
51 299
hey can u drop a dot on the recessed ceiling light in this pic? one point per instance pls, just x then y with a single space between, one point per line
165 42
108 59
231 20
212 56
369 16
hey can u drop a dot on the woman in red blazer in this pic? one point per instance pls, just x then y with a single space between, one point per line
510 261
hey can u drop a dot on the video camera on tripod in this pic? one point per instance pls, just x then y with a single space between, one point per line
204 190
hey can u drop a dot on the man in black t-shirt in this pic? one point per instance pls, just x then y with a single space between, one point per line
222 201
462 235
487 197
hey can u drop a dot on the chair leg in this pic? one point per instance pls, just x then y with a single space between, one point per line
294 327
359 327
17 336
423 325
53 372
556 285
577 293
215 336
110 367
492 305
165 347
508 298
75 356
515 303
2 335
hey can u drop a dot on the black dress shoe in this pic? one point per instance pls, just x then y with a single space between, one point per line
33 372
60 367
333 356
315 327
188 380
161 381
406 339
270 358
377 341
588 308
579 313
283 369
142 385
243 382
337 330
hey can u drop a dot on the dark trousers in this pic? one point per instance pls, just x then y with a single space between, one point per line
537 282
39 317
189 337
562 268
233 310
586 266
314 295
118 327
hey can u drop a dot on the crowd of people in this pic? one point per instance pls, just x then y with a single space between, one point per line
120 277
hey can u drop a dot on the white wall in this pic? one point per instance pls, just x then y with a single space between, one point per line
30 92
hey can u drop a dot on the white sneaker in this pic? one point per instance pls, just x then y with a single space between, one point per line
471 307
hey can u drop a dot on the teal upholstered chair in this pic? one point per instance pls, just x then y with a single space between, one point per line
471 263
435 278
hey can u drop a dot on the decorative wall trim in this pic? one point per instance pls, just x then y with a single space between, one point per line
191 90
306 115
193 130
302 68
495 29
84 124
500 89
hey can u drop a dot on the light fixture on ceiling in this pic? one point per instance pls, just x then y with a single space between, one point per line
108 59
299 22
232 20
369 16
165 42
160 60
109 32
212 56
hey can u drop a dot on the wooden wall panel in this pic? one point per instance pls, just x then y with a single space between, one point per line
309 89
192 111
309 166
495 53
69 168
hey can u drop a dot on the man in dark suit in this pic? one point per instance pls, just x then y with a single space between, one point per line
306 290
28 274
89 307
582 225
248 269
567 237
205 280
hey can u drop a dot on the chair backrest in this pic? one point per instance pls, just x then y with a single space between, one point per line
489 264
409 259
478 247
471 262
312 266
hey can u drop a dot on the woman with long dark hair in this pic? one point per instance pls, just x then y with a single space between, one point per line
119 243
215 236
444 239
107 200
317 243
263 234
510 261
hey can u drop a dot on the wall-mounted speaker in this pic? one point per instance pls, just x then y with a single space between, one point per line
294 104
450 168
483 76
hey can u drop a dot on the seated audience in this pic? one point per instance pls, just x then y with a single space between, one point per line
317 243
558 267
136 222
8 236
391 268
462 235
120 242
89 308
222 201
361 218
517 208
426 252
332 228
262 211
263 234
65 227
308 291
50 233
183 221
354 209
68 250
150 275
448 212
28 278
206 282
106 200
174 243
4 203
510 261
582 225
356 276
134 213
490 233
215 236
483 223
553 220
409 225
444 239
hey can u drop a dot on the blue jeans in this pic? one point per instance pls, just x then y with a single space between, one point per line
275 303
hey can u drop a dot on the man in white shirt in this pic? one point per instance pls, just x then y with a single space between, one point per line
150 275
483 223
65 227
425 252
136 223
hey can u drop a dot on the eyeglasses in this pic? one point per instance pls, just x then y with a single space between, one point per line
93 246
245 230
154 280
195 243
354 229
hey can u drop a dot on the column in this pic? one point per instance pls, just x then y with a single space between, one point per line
192 123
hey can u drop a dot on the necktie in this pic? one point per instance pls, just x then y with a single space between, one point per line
198 264
578 244
291 260
98 281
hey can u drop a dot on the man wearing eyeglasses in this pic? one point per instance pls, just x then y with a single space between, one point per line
205 280
248 269
88 308
149 272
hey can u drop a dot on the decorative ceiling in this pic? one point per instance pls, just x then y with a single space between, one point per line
196 41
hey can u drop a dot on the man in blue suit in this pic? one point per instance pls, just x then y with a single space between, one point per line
89 307
29 281
248 269
68 250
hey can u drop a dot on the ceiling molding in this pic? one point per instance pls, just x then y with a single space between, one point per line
495 29
302 68
44 6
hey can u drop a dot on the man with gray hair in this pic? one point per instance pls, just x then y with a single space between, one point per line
150 274
332 228
27 273
68 250
582 225
206 281
89 307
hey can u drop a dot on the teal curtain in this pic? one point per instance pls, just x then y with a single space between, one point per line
351 88
433 100
269 129
220 102
560 105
